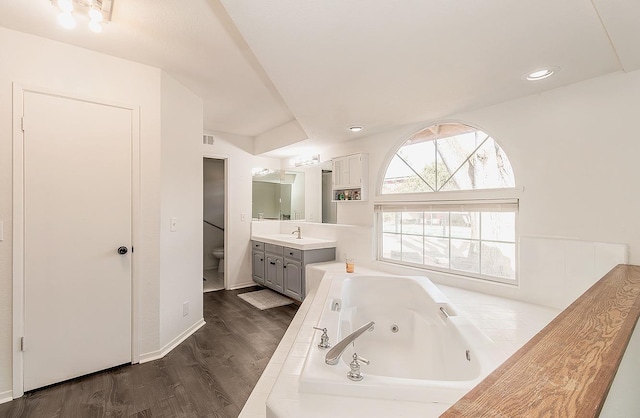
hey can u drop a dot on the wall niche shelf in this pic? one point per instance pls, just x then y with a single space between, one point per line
350 177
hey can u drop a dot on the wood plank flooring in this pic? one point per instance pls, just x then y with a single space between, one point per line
211 374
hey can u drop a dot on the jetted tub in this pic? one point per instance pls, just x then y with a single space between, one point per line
417 351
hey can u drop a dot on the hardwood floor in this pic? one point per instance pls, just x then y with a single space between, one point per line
211 374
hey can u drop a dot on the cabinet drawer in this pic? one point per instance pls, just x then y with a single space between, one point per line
256 245
293 253
273 249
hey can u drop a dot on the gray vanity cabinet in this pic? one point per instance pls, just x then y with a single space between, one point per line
274 272
258 263
282 268
258 267
293 286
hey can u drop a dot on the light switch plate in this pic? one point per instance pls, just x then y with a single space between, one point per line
174 224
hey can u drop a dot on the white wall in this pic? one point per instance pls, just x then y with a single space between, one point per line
312 193
573 151
34 61
37 62
238 152
623 400
182 197
298 196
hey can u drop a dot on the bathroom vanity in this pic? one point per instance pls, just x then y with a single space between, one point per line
279 261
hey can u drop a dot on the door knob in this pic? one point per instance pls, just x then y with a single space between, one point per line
122 250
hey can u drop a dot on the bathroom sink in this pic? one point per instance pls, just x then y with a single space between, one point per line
292 241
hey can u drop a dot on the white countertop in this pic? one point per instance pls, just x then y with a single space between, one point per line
291 241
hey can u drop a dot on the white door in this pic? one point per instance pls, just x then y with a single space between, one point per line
77 213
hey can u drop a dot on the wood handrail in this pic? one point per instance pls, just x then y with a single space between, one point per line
566 369
213 225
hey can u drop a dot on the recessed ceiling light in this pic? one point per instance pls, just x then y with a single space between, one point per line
355 128
540 74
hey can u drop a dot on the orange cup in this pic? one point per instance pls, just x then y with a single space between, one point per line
350 265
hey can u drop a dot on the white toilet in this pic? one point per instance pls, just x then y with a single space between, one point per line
219 254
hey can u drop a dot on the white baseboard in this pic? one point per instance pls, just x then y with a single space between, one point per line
243 285
155 355
6 396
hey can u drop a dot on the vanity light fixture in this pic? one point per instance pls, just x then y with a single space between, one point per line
355 128
540 73
261 171
97 11
307 160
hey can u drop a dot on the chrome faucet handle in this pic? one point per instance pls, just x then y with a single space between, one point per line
354 374
324 338
360 359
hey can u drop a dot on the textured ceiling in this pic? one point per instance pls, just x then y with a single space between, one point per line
378 63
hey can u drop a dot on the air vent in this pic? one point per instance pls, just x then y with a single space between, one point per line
207 139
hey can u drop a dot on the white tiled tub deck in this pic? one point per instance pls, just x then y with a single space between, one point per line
508 322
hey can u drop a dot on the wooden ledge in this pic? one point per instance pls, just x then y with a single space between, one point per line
566 370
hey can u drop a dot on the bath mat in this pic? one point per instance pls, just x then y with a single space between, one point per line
265 299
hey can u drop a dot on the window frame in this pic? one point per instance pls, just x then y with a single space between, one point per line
439 206
436 198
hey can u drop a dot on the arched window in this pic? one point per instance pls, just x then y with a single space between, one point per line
434 229
446 157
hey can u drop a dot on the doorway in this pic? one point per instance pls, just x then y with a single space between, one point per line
214 250
329 207
73 251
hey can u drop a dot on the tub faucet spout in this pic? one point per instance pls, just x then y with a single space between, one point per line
333 356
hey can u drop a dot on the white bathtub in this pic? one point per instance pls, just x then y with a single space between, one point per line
430 357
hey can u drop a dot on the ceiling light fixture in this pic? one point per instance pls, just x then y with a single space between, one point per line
355 128
540 74
66 20
97 11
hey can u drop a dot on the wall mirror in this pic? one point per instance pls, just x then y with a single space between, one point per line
278 194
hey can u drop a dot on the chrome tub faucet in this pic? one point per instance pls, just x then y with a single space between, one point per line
333 356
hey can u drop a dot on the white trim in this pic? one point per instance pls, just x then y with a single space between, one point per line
243 285
419 128
379 257
18 241
136 232
475 205
454 195
18 221
158 354
6 396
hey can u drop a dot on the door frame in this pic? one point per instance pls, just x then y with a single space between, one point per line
225 159
18 221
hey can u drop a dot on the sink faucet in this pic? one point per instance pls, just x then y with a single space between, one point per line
298 232
333 356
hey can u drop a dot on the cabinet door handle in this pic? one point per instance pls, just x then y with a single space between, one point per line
284 266
272 263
